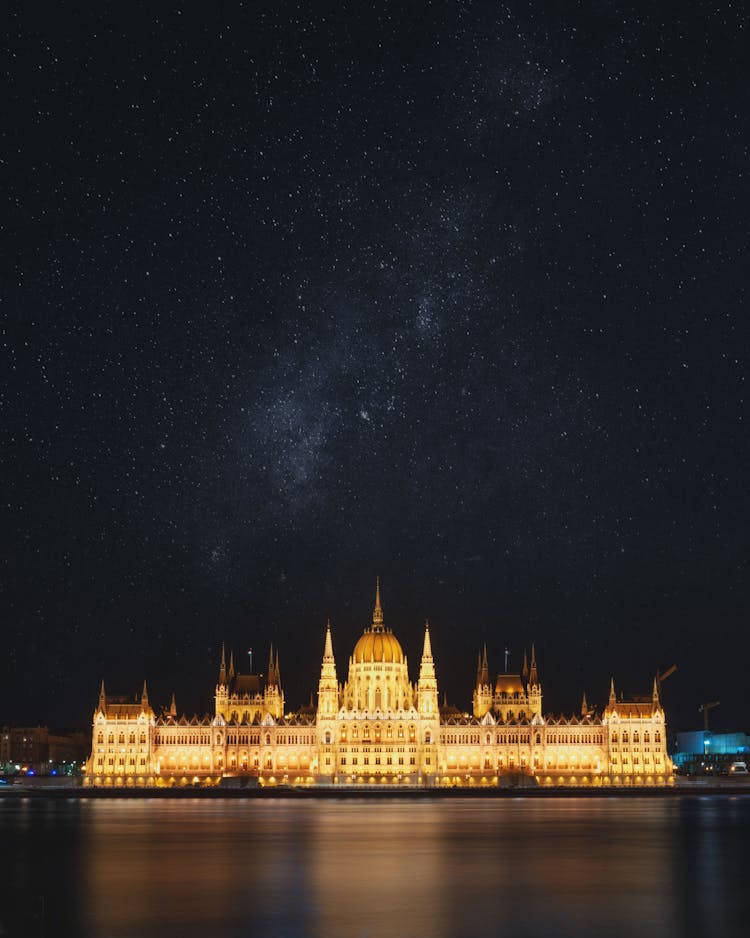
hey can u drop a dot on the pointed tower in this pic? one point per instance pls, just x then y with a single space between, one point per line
427 693
231 665
273 696
612 703
584 706
173 707
655 695
482 700
534 687
221 693
533 676
223 667
429 714
102 698
328 705
328 684
377 614
144 697
525 669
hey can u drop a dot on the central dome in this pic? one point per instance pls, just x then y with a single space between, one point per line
378 643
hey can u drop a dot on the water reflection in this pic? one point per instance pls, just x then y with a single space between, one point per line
339 869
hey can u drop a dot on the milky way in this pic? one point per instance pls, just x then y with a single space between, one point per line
449 295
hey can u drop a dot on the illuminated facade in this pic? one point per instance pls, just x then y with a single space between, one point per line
379 728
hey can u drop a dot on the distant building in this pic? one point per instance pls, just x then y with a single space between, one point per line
702 752
35 750
379 728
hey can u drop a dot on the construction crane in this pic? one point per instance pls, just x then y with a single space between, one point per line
704 708
660 678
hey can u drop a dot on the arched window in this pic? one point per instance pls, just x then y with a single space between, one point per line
625 737
100 738
143 739
268 739
121 738
614 737
538 739
428 737
111 738
131 739
328 737
657 737
646 737
635 737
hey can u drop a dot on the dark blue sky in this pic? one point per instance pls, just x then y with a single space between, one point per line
449 293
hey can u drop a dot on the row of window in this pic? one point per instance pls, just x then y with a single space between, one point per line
376 732
120 760
388 761
636 738
121 739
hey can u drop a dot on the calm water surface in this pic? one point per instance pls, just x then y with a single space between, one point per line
340 869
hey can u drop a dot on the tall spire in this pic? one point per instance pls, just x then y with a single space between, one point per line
144 696
102 697
328 650
173 706
427 695
612 697
533 676
223 666
655 692
231 665
525 668
427 649
377 615
485 667
277 668
584 706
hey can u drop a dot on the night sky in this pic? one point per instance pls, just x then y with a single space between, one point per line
295 295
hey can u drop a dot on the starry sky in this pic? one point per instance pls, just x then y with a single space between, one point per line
294 295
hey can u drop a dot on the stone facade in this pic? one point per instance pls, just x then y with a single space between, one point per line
379 728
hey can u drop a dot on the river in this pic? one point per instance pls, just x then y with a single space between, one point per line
402 867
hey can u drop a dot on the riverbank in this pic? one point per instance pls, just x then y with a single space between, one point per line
682 788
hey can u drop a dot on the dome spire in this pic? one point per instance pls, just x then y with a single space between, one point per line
377 615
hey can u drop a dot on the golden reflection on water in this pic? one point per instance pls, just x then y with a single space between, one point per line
438 869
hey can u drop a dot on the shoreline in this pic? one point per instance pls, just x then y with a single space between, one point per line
16 792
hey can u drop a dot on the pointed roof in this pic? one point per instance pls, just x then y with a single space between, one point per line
144 694
377 614
223 666
427 649
533 676
328 649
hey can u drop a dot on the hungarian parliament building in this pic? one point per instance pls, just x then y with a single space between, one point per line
379 728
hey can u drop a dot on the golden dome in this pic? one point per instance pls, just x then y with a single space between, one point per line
378 644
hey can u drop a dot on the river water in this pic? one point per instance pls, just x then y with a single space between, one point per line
401 867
